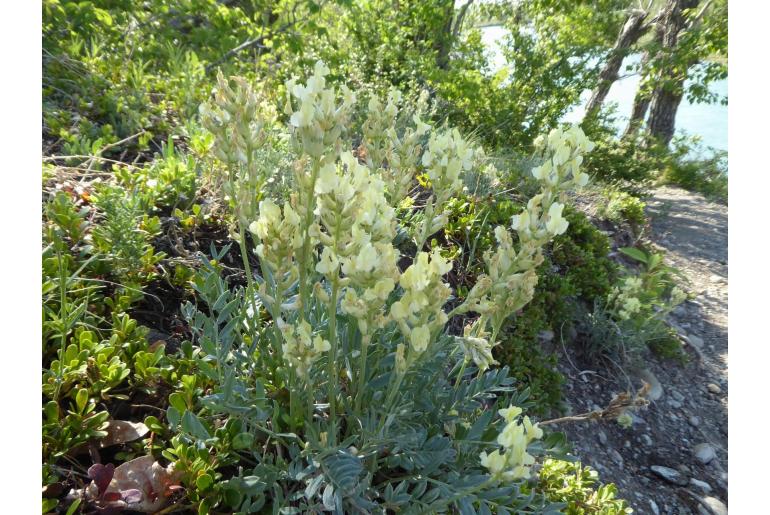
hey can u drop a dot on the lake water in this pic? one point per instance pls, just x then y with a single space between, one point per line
708 121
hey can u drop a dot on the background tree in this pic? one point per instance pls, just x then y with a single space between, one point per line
635 26
690 43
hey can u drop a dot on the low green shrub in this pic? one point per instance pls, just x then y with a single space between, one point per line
581 256
632 318
577 487
123 236
627 165
706 174
622 208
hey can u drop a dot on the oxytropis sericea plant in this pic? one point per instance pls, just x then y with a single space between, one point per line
327 253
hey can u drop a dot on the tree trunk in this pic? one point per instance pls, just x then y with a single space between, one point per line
663 108
450 32
632 30
669 92
641 102
444 39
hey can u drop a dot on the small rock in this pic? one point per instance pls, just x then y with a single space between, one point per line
616 457
693 421
602 436
704 452
715 506
695 341
646 440
716 279
627 444
545 336
654 507
680 310
714 388
702 485
670 475
656 390
675 404
676 394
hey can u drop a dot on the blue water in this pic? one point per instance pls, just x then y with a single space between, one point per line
707 121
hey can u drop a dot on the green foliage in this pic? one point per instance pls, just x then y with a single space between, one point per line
627 165
530 365
64 430
632 317
168 182
123 235
85 363
633 166
575 485
706 174
621 208
581 256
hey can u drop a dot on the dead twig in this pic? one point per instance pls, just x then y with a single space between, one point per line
617 406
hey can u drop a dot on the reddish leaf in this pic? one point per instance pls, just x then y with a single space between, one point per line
102 475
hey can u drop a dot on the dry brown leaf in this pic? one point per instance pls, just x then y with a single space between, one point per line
122 431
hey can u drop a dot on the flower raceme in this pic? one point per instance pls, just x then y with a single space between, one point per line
300 348
447 157
392 150
510 281
512 461
419 312
316 118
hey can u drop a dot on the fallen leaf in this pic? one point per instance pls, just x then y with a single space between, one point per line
154 346
151 481
122 431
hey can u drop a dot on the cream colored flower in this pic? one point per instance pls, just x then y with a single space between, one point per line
510 413
420 338
556 224
328 263
494 462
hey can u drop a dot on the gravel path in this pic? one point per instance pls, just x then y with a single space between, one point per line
673 460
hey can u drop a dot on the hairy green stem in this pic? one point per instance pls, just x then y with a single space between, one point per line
362 371
460 374
333 361
304 295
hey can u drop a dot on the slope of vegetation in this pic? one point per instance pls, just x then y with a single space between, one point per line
302 256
